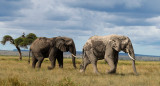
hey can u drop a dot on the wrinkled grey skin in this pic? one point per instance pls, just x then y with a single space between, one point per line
52 48
107 48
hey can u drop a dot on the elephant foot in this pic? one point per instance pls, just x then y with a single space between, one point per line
75 67
50 68
81 71
136 74
97 73
33 67
60 66
111 72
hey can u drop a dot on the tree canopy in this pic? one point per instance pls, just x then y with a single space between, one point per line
21 41
7 38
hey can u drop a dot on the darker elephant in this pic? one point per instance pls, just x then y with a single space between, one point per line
108 48
52 48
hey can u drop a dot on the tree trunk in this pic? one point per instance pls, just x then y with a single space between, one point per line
20 54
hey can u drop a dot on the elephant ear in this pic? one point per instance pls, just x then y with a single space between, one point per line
69 42
115 44
60 44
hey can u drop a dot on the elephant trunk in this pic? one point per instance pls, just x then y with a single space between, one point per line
134 68
73 60
132 56
73 51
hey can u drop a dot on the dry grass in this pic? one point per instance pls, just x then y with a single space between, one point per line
20 73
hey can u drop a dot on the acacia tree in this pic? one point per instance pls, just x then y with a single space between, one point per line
22 41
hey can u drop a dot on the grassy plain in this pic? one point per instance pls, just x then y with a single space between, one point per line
20 73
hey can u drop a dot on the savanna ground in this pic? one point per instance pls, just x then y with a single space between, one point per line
20 73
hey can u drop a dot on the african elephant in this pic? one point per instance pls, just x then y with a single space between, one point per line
52 48
108 48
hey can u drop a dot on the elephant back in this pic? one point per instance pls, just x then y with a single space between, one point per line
40 44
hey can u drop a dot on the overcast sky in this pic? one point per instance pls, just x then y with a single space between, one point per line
81 19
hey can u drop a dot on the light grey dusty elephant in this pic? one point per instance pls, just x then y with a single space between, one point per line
108 48
52 48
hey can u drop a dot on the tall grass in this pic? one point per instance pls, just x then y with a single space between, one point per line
20 73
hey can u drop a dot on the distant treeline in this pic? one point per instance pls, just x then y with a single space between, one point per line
122 56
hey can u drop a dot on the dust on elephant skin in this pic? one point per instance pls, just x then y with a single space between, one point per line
108 48
98 48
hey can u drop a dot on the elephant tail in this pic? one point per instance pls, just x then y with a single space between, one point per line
83 54
29 56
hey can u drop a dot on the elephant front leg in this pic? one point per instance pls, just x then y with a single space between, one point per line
52 58
116 58
60 59
110 62
95 67
53 63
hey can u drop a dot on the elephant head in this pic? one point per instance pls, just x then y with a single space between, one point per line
66 44
123 43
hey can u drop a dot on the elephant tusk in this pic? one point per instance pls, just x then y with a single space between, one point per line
74 56
130 56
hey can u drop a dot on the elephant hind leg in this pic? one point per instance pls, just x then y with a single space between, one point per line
34 61
93 60
40 62
84 64
111 64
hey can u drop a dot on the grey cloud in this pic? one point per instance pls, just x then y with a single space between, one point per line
6 18
9 9
102 5
135 10
144 35
134 6
77 18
